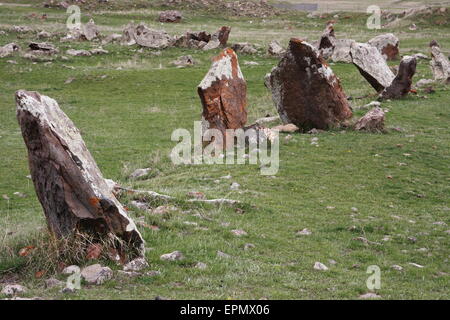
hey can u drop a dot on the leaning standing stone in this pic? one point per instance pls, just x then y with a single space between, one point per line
72 191
371 65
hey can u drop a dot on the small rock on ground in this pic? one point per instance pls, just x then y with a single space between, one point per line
239 232
137 264
369 295
320 266
13 289
96 274
173 256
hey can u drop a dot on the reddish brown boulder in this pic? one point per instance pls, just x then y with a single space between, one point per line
72 191
305 90
223 93
401 85
387 45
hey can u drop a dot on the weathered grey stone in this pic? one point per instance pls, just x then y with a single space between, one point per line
71 269
424 82
341 51
72 191
78 53
173 256
212 44
371 65
13 289
115 37
52 283
372 121
170 16
89 30
440 65
44 35
146 37
96 274
320 266
8 49
244 48
137 264
387 45
275 49
139 173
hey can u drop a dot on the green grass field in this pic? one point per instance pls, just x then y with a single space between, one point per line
127 115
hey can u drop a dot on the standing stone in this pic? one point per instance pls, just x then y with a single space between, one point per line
72 191
371 65
401 85
372 121
170 16
305 90
440 65
387 45
223 93
327 41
